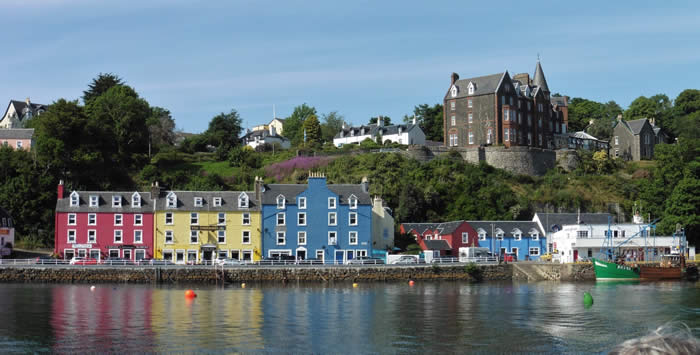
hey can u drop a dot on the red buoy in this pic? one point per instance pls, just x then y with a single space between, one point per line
410 283
190 294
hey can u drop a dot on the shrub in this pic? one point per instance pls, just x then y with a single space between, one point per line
474 271
284 170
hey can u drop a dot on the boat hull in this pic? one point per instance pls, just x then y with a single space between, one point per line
605 271
660 273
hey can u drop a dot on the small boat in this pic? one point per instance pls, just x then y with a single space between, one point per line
607 271
671 268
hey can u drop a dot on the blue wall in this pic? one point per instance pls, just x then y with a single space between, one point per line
509 243
317 228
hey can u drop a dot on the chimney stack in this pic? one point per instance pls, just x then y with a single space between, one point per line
414 119
365 185
454 78
28 102
619 117
60 189
258 189
155 190
380 121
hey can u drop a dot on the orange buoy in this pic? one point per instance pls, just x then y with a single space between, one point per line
354 284
410 283
190 294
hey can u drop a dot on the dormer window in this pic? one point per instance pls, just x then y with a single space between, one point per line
243 200
517 234
217 201
453 91
331 203
136 200
482 234
117 201
198 202
74 199
280 201
352 133
534 234
94 201
470 88
171 200
499 234
353 202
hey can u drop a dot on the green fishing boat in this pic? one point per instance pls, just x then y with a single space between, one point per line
606 271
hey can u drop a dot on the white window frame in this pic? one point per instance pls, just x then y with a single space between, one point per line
333 222
171 217
245 219
482 235
138 219
301 237
283 220
171 200
117 201
194 233
332 238
92 236
118 219
217 201
536 249
281 235
471 137
453 105
72 251
350 238
243 200
136 200
351 216
499 234
198 202
71 236
221 218
352 201
471 117
243 237
470 103
194 218
301 203
118 233
617 140
168 251
94 201
116 251
139 251
465 238
453 120
72 219
301 217
138 233
332 203
219 235
74 199
280 202
535 235
517 235
171 234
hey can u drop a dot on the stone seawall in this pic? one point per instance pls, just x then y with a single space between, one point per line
524 272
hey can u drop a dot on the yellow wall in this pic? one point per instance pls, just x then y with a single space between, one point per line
181 233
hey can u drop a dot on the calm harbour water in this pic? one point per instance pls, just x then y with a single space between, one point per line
372 318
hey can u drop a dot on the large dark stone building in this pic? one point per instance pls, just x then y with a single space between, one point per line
502 110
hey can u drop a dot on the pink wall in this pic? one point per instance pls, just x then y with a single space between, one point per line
105 233
26 143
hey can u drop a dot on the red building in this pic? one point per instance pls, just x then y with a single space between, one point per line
446 237
104 224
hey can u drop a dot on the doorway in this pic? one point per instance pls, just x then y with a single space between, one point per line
301 254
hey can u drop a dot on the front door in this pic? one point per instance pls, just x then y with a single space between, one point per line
207 254
503 252
575 255
301 254
351 254
339 254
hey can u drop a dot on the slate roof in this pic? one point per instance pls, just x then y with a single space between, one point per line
584 135
539 79
105 202
373 130
558 100
17 133
506 226
229 201
263 133
443 228
636 125
21 105
484 85
437 245
290 191
549 220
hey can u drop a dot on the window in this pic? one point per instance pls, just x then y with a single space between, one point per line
471 137
247 255
470 103
453 139
280 219
453 120
499 234
517 235
198 202
529 120
192 256
582 234
471 117
243 200
19 144
319 255
71 236
503 100
453 105
353 202
71 219
534 251
74 198
280 201
221 237
535 235
194 218
92 236
353 238
332 220
301 218
506 114
617 140
482 234
221 218
301 238
331 202
281 238
116 201
172 200
539 139
302 203
617 153
194 237
245 237
138 236
117 236
118 220
168 237
529 139
352 218
506 135
136 200
489 134
169 218
217 201
246 219
470 89
332 238
138 219
465 238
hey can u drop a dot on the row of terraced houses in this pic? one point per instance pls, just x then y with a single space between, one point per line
328 222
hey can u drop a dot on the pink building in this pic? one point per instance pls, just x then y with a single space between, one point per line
17 138
104 224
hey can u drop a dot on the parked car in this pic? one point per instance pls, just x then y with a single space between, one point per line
116 261
226 262
406 259
279 259
44 259
78 260
546 257
510 257
365 260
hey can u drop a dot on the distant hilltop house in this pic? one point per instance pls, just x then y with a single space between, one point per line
581 140
408 134
18 112
17 138
635 140
270 136
276 123
499 109
7 233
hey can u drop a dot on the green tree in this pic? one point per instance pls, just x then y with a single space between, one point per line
224 130
312 130
100 85
294 124
332 124
386 120
683 207
161 129
430 120
657 107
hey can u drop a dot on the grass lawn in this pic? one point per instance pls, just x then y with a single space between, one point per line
220 168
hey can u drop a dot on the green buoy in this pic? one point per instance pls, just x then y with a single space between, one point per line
587 299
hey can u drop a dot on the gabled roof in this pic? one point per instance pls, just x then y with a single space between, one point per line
550 220
21 105
263 133
442 228
104 199
17 133
291 191
374 130
229 201
539 79
506 226
437 245
484 85
635 126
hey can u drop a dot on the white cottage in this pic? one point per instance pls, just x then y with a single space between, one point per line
407 134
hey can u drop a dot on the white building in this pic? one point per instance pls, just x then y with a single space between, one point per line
382 225
7 233
402 133
18 112
267 136
583 241
551 223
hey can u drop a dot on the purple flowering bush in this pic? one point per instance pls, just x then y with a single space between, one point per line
283 170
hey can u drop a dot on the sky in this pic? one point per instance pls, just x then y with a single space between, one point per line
359 58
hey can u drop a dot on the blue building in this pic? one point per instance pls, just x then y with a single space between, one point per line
521 238
325 222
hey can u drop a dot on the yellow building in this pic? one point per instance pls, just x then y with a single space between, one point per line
196 226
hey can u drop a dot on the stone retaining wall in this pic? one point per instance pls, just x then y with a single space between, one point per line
575 272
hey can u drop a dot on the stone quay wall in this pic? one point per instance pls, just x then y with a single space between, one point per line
366 273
